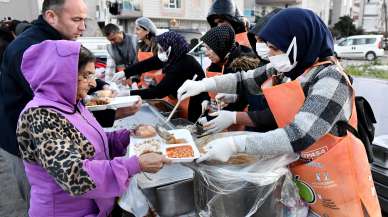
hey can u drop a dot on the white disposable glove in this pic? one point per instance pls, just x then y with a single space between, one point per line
118 76
124 92
223 120
193 88
223 148
226 97
204 106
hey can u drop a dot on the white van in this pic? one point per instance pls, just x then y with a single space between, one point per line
360 46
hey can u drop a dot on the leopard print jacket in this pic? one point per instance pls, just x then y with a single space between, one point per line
45 137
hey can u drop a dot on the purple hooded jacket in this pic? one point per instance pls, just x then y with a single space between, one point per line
51 69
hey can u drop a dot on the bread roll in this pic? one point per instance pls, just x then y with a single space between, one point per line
145 131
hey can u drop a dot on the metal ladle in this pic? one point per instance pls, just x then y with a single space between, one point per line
162 131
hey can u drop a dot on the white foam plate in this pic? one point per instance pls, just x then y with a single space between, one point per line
117 102
182 134
179 134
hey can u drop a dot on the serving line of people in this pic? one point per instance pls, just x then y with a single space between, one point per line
307 112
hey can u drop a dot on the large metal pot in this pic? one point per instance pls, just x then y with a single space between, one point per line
173 199
239 202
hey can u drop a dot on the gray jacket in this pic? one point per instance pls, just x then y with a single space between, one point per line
124 53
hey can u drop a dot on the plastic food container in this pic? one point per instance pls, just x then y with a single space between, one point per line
117 102
188 144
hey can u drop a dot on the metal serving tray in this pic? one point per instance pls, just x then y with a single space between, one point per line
146 115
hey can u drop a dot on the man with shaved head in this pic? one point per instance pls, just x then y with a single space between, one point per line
60 19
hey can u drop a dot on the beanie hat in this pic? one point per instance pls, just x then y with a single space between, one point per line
220 39
147 24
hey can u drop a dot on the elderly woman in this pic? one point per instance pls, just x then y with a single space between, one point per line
311 112
75 169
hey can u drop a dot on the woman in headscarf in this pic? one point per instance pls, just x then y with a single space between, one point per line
226 57
75 169
312 112
177 67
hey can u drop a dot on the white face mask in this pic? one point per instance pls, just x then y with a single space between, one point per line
281 62
262 50
163 56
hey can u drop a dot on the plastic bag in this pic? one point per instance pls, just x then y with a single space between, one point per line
133 200
259 189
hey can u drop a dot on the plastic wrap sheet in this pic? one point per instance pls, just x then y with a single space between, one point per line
261 187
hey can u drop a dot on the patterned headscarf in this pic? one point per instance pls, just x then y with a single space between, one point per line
220 39
179 45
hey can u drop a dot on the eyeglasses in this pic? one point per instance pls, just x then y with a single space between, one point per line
89 77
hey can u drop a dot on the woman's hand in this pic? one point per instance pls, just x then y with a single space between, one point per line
152 162
223 120
219 149
192 88
226 98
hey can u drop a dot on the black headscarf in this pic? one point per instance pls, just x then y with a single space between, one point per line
220 39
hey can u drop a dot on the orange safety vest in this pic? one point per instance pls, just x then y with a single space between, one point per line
333 174
242 39
157 75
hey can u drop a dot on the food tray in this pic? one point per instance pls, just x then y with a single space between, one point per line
136 142
117 102
164 107
196 153
182 134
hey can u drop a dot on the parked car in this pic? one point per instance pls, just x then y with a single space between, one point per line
360 46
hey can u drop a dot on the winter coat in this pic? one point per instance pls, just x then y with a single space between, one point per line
75 169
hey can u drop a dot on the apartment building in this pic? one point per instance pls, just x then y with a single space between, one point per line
322 7
369 15
20 9
339 8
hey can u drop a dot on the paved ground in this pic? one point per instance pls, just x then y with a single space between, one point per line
375 90
11 204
